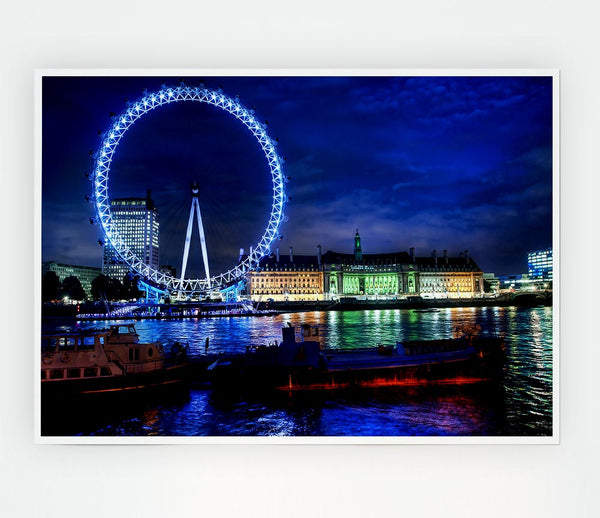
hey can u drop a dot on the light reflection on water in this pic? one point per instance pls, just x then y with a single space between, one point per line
523 406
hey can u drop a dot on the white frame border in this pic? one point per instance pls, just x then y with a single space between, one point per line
39 74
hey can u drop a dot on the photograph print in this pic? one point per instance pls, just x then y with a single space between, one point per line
298 255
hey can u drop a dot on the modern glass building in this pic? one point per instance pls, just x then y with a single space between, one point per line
137 221
539 264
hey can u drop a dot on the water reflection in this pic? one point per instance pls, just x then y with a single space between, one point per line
522 406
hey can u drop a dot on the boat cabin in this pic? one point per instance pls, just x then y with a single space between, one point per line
81 342
116 351
75 356
123 334
124 348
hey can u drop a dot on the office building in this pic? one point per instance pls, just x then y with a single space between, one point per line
85 274
137 221
539 264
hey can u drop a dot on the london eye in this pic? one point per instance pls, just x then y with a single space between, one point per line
103 159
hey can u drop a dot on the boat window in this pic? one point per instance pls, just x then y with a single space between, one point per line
48 344
73 373
68 343
150 352
104 371
89 372
56 374
87 342
43 375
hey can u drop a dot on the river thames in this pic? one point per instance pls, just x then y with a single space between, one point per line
520 406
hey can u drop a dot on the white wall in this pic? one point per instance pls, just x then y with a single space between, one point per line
302 481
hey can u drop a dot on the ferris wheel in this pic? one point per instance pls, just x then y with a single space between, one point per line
100 179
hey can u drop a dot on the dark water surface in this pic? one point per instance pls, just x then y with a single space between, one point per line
522 406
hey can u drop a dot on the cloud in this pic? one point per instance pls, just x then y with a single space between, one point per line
540 157
67 235
429 162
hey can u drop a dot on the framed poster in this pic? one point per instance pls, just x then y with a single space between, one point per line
297 256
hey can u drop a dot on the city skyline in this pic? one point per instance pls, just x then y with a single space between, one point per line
427 162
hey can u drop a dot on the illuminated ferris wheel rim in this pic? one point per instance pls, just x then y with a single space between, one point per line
103 158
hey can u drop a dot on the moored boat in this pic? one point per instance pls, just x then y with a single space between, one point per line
303 365
107 361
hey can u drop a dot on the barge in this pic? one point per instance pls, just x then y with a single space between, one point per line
304 366
107 361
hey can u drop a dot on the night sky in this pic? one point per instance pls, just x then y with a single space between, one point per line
427 162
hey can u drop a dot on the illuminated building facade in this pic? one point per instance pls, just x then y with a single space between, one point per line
335 275
400 274
85 274
539 265
136 220
289 277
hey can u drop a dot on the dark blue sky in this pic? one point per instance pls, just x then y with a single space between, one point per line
427 162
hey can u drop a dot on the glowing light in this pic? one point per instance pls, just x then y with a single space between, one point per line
101 171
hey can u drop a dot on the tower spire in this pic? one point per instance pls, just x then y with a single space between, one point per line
357 247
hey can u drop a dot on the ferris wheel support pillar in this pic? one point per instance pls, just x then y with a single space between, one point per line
188 235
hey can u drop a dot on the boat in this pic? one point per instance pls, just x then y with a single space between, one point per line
303 365
107 361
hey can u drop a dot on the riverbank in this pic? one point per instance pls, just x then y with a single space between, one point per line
418 303
521 406
211 310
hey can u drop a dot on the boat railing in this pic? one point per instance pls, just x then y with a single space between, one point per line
115 359
135 367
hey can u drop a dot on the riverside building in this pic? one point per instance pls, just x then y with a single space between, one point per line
334 275
85 274
539 265
137 221
288 277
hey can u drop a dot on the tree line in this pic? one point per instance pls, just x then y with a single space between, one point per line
103 288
